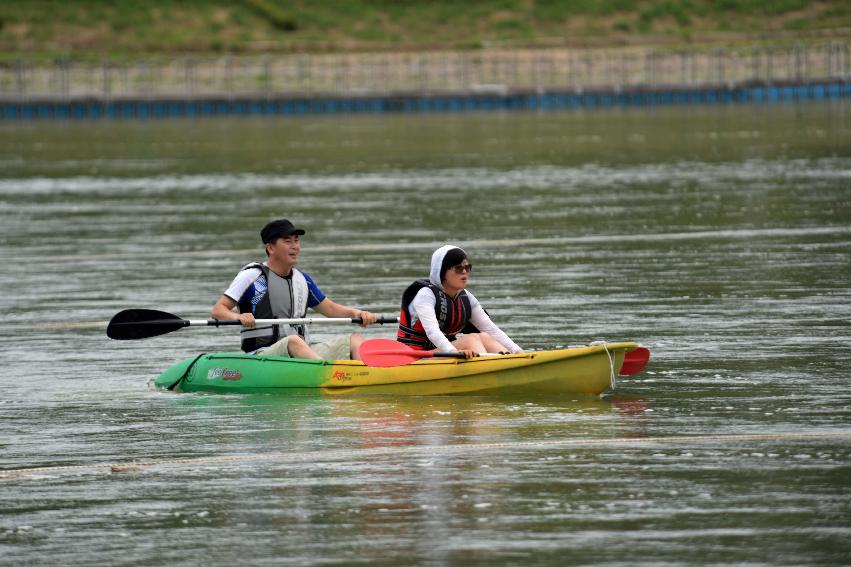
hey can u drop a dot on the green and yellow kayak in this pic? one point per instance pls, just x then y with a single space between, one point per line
580 370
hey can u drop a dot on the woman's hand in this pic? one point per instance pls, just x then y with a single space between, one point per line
468 353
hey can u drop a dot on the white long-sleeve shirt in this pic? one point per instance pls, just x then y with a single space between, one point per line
422 308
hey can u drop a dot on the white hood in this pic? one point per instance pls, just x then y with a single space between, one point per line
437 262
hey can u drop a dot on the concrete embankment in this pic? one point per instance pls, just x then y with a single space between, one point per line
425 82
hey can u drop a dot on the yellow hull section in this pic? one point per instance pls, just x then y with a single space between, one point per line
584 370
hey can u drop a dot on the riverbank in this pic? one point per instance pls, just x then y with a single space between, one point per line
421 103
424 82
130 30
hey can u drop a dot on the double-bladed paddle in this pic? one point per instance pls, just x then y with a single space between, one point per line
132 324
387 352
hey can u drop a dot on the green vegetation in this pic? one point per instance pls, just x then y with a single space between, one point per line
135 28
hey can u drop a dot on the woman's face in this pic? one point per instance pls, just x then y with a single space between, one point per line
456 277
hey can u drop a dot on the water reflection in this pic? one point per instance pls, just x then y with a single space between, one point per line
271 427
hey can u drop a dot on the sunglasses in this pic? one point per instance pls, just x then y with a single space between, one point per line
461 268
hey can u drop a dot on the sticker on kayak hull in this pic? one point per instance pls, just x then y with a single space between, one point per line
340 376
224 374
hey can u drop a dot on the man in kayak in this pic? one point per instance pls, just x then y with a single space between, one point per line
435 311
275 289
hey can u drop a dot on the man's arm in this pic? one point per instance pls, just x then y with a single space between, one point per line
223 311
330 309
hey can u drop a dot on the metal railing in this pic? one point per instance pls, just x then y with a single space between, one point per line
427 73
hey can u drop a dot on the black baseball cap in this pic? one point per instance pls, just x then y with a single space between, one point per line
278 229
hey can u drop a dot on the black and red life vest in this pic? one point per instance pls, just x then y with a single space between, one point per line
453 316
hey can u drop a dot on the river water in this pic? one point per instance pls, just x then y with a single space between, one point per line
719 237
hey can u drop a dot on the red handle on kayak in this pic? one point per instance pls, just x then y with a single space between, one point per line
634 361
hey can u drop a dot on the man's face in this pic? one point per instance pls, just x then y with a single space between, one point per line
285 249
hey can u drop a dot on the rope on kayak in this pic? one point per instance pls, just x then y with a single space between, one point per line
395 450
612 377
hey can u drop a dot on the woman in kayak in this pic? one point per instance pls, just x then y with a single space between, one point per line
436 310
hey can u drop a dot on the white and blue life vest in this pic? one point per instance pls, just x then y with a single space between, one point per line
273 297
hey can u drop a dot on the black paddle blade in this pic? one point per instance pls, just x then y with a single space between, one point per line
132 324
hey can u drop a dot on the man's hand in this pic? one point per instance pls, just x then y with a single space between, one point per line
367 318
247 320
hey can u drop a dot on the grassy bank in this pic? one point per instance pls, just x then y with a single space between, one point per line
45 29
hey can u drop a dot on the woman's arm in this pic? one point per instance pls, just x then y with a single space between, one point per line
422 308
484 324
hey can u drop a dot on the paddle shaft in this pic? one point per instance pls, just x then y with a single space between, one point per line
302 321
